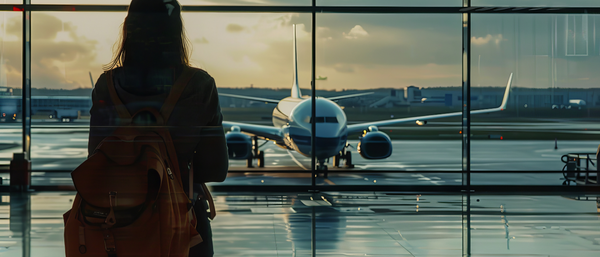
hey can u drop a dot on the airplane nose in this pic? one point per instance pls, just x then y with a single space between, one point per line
327 147
328 130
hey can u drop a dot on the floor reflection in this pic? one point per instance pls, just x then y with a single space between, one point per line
346 224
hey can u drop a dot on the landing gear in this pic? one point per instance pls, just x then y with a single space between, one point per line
341 156
256 154
322 167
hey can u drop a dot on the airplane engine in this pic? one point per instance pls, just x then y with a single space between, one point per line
374 144
239 145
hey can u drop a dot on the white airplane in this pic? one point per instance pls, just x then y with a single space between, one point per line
292 128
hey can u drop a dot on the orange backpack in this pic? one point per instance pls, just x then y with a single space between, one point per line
130 199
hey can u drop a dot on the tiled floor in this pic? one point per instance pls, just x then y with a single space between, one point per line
360 224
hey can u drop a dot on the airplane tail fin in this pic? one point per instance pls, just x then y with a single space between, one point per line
506 92
91 79
296 93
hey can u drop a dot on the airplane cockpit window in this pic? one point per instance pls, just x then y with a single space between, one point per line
325 120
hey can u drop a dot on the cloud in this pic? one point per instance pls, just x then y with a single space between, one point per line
343 68
202 40
479 41
56 62
235 28
356 32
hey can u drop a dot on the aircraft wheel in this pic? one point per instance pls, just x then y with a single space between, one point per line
261 159
348 157
336 160
249 162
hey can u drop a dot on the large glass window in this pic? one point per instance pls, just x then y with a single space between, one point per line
551 109
10 85
251 58
388 117
388 73
68 52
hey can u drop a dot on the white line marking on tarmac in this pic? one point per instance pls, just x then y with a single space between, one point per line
296 161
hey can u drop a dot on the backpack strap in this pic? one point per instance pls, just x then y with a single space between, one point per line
176 91
122 111
205 194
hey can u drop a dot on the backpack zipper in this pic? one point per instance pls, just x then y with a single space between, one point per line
170 173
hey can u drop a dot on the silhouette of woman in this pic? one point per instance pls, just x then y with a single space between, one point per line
152 54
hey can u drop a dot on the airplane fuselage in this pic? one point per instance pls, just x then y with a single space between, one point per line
293 116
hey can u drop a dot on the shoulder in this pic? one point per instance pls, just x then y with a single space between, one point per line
201 81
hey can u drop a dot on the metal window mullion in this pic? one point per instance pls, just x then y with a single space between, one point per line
26 77
466 129
314 96
313 135
466 97
323 9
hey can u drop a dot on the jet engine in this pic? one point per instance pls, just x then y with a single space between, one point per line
374 144
239 145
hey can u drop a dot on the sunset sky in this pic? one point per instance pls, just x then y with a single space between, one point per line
355 51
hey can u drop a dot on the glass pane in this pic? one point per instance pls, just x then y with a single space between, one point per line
526 225
389 2
10 85
68 52
183 2
247 55
552 108
250 56
389 72
533 3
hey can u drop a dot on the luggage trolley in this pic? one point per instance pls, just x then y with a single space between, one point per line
580 168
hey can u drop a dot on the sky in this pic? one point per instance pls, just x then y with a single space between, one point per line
354 51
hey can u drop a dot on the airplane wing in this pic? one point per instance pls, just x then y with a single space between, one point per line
252 98
363 126
262 131
348 96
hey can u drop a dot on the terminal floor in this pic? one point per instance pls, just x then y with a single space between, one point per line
347 224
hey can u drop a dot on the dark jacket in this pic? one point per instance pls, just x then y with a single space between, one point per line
195 122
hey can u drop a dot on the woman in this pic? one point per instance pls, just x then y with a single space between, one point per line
152 54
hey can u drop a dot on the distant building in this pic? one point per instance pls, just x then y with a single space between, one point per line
6 91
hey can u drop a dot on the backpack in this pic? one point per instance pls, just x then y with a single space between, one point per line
130 199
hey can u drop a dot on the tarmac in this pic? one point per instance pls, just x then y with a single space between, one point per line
345 224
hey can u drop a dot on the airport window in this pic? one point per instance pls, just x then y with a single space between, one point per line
393 141
10 84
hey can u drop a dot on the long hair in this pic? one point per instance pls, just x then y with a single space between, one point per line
153 35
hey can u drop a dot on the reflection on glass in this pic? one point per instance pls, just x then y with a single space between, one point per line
534 225
387 73
552 109
10 85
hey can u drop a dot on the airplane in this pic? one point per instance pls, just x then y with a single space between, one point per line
292 128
